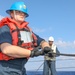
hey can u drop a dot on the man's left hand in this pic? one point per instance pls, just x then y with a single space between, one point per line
47 49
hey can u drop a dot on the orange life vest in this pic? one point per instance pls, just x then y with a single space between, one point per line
14 30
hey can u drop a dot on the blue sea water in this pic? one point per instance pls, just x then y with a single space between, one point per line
58 73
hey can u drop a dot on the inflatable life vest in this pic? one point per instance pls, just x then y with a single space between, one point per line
17 37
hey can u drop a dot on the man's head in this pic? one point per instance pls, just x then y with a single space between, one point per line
18 11
51 40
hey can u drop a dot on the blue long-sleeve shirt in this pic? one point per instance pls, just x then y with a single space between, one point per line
5 36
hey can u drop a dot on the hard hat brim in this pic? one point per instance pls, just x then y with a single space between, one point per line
8 12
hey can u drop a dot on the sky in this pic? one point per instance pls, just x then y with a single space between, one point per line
50 18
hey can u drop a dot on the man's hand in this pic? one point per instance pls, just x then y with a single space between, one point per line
47 49
35 53
51 54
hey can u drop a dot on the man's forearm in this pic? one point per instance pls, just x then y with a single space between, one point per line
15 51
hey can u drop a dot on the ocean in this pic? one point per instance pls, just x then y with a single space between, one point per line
64 66
58 73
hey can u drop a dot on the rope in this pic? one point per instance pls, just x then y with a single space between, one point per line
63 54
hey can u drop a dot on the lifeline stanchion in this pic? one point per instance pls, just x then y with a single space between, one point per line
39 68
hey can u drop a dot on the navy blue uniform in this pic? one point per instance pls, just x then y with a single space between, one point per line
15 64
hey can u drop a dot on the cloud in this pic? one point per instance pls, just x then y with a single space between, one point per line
41 30
38 30
65 44
1 17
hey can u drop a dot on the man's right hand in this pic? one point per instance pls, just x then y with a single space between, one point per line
35 53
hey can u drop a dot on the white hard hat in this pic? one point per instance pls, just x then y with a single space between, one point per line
51 38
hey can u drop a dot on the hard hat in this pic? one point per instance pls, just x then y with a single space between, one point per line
51 38
20 6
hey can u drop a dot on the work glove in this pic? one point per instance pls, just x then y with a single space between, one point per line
47 49
49 52
35 52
